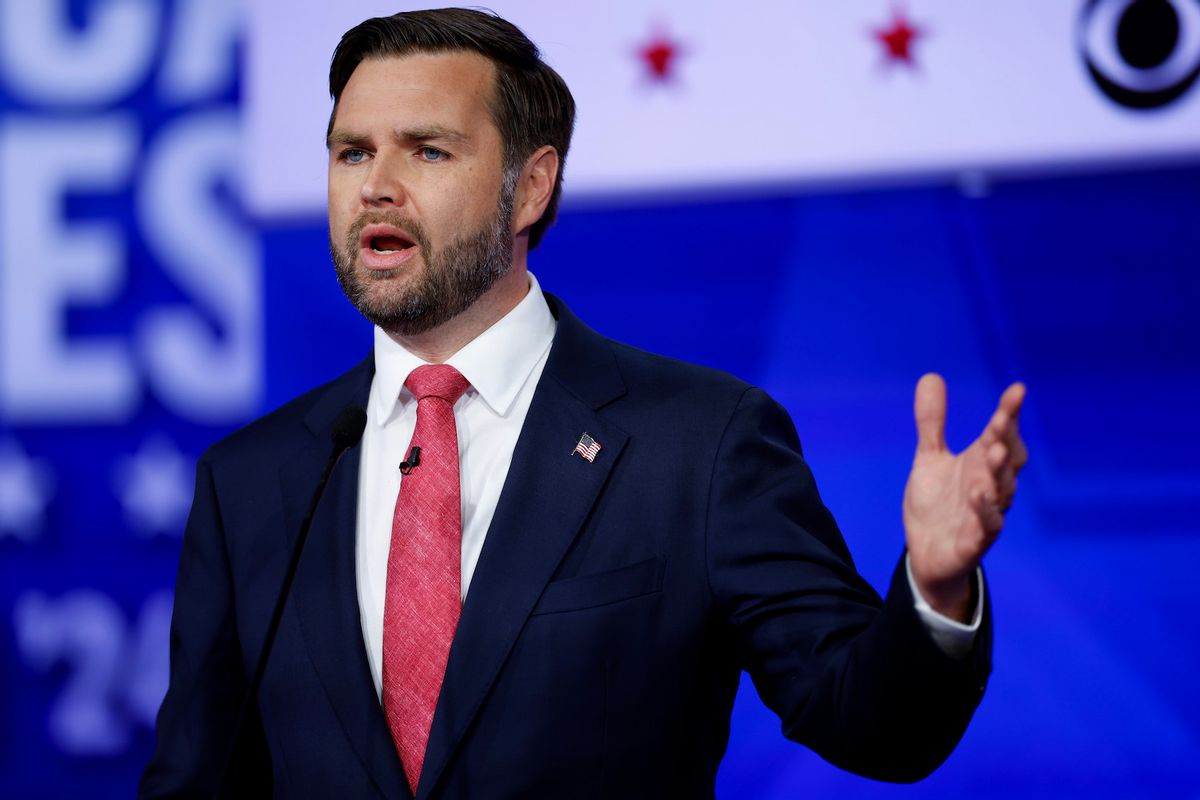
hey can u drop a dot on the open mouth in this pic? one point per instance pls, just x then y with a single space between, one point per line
385 247
385 239
388 244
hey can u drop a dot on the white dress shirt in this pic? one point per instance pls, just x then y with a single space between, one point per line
503 365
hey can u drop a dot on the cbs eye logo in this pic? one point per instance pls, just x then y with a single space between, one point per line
1141 53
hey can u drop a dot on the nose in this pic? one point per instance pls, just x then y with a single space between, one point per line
382 185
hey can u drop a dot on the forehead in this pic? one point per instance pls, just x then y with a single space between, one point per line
452 88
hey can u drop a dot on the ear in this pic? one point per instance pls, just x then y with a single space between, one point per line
535 185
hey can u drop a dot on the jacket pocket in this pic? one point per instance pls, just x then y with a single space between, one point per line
602 588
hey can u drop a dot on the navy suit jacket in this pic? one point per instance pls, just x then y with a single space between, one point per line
613 608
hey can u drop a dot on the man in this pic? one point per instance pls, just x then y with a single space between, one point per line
583 545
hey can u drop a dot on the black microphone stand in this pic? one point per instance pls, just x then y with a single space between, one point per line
347 430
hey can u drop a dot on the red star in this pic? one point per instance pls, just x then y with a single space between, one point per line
897 39
659 56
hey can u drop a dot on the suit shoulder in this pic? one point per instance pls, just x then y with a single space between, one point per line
641 367
600 368
663 393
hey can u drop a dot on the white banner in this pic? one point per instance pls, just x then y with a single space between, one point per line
675 96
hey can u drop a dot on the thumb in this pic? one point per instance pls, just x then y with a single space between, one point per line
929 407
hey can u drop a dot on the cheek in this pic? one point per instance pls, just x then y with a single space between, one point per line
337 201
478 201
344 202
448 207
339 227
337 222
344 190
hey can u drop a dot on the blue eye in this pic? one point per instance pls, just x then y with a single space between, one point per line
433 154
354 155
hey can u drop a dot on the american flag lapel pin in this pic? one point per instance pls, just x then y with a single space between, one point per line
587 447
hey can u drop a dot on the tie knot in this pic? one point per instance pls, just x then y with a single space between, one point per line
437 380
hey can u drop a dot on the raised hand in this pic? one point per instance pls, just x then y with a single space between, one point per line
954 505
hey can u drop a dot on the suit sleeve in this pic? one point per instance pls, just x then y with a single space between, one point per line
855 678
198 717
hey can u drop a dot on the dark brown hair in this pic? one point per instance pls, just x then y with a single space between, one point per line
531 105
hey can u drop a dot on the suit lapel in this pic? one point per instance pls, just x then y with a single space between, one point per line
547 496
325 594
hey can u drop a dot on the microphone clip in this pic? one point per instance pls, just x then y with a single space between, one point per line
410 463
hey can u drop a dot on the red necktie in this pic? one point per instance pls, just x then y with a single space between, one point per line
424 574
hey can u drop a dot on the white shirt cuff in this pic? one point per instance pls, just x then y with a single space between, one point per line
953 637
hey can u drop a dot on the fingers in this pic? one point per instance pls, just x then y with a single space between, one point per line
1003 483
1004 419
929 408
1010 403
1006 487
1002 427
996 456
990 513
1012 399
993 486
1020 456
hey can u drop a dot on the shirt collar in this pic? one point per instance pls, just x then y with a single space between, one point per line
497 362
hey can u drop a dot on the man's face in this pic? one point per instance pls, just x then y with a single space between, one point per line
419 211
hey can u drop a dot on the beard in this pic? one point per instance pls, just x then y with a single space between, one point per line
453 277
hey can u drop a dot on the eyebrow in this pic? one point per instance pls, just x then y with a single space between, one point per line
344 138
427 132
423 133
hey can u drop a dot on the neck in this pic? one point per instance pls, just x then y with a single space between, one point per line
436 345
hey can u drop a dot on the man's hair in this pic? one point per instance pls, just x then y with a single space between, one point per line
531 105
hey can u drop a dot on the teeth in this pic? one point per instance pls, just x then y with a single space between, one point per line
383 252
